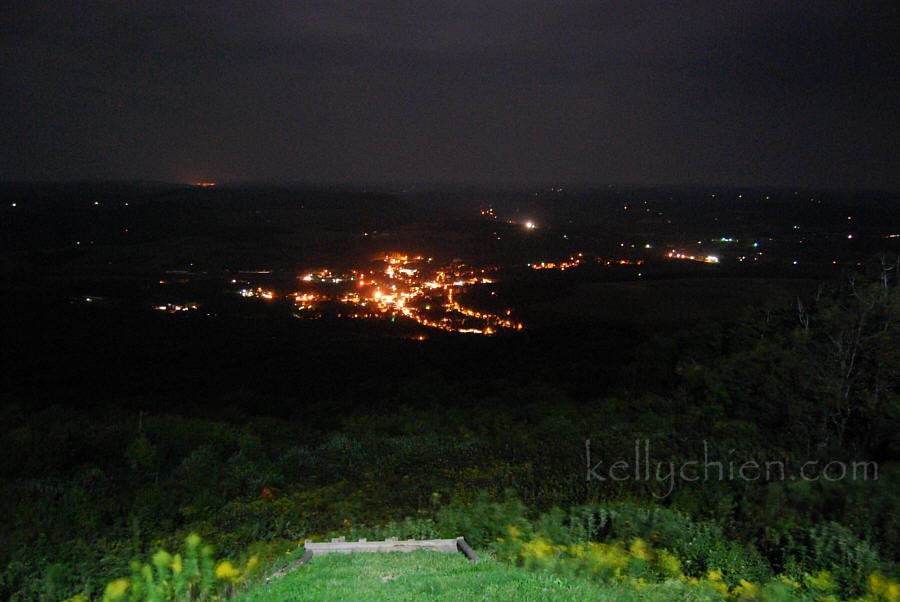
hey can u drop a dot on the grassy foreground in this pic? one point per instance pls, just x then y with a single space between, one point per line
435 576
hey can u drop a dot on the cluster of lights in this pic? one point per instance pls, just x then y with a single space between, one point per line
577 260
322 276
405 287
257 293
620 261
172 308
308 300
673 254
552 265
528 225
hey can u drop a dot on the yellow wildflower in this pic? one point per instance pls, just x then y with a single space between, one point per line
537 548
225 570
162 558
252 563
821 581
115 590
745 590
714 580
880 587
789 581
603 557
670 565
638 549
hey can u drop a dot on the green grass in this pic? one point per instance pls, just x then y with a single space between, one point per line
435 576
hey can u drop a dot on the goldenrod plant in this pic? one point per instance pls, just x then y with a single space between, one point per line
638 565
169 578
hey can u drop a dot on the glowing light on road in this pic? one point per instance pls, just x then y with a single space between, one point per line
403 288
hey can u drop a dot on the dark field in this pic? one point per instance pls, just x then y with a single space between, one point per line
258 422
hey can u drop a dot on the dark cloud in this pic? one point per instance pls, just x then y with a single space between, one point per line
651 92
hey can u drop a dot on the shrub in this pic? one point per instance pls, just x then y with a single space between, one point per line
194 576
834 548
482 522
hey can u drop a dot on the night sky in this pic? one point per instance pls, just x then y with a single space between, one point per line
787 92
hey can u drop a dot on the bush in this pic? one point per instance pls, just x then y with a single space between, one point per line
195 576
700 546
482 522
834 548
